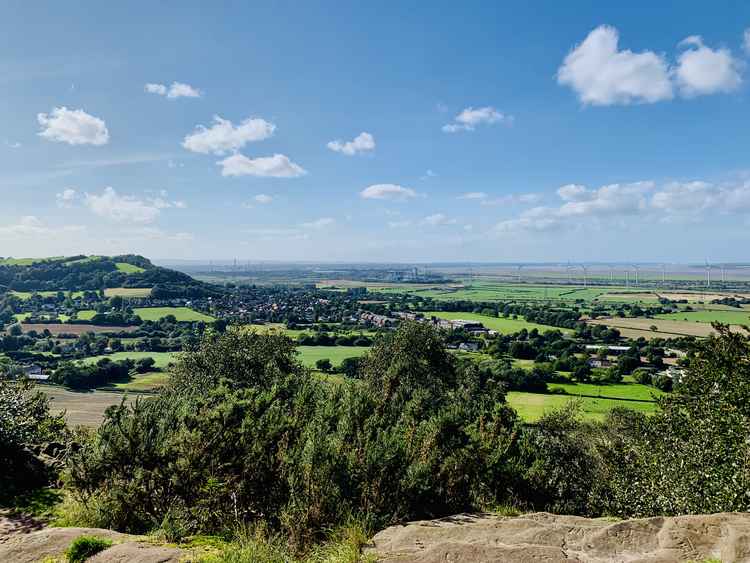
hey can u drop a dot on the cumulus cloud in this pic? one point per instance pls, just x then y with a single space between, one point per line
110 205
474 195
223 137
602 74
318 224
263 199
176 90
387 191
470 117
438 219
364 142
66 198
276 166
75 127
619 204
701 70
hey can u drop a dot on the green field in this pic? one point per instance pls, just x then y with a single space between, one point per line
182 314
308 355
24 295
127 291
632 391
25 261
500 324
710 316
144 381
128 268
531 406
161 359
86 315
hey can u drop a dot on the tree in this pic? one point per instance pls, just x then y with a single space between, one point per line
324 365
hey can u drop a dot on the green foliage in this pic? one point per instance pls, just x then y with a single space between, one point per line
84 547
693 455
246 435
26 431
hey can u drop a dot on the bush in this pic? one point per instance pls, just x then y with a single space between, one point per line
245 435
84 547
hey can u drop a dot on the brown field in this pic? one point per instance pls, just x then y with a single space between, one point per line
665 328
83 408
699 296
127 291
58 328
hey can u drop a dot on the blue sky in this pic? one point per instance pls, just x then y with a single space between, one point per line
387 131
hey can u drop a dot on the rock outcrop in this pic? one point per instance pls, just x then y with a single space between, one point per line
51 543
550 538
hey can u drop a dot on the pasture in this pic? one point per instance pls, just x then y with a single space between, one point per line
665 328
308 355
83 408
144 382
25 295
127 292
500 324
161 359
182 314
532 406
731 317
128 268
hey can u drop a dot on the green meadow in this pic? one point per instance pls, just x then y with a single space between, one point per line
500 324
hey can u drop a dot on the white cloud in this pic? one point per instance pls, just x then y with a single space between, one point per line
162 201
224 137
12 145
746 41
176 90
470 117
573 192
152 88
438 219
603 75
318 224
118 208
387 191
698 198
263 199
66 198
75 127
274 233
428 174
701 70
31 226
364 142
276 166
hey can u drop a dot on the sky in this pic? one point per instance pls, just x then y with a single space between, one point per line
376 131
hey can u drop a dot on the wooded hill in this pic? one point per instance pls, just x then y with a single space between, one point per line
81 273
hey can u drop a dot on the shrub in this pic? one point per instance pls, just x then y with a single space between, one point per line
84 547
245 434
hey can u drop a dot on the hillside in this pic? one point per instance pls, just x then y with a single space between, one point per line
93 273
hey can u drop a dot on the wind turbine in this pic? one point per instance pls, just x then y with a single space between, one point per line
569 268
663 274
635 267
519 272
723 278
585 279
708 274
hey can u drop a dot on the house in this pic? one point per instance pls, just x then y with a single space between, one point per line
599 363
611 350
469 346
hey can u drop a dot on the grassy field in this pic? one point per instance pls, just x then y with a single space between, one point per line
25 261
308 355
161 359
128 268
294 333
127 291
531 406
182 314
144 381
500 324
627 391
734 317
24 295
83 408
665 328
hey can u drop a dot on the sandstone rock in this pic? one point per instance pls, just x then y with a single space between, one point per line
35 546
550 538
